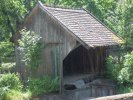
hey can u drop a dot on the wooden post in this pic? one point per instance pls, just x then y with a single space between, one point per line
61 69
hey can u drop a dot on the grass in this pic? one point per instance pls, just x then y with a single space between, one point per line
17 95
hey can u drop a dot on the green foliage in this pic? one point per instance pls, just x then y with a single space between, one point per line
121 72
104 8
7 67
113 68
12 13
11 88
17 95
120 20
44 85
7 58
3 91
6 49
11 81
126 73
7 94
30 47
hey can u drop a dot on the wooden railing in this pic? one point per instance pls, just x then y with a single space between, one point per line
127 96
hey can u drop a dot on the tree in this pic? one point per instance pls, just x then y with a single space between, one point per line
121 20
116 14
11 15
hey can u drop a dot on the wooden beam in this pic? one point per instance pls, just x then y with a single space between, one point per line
61 70
115 97
54 43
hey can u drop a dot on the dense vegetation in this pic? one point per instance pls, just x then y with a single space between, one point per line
120 68
11 88
49 85
116 14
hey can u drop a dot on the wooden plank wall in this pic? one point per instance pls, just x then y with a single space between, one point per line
57 43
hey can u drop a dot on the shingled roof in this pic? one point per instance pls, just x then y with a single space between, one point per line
84 26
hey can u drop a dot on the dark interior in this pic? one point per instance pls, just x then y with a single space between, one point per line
77 62
83 61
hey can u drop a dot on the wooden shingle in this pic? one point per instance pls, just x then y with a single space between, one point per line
84 26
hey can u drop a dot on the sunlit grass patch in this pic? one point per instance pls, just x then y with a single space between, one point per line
17 95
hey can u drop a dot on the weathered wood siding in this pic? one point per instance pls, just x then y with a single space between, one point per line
58 43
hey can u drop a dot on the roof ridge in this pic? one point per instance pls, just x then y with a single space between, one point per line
65 9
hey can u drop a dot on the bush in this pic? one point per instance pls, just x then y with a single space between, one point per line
126 73
6 49
6 94
30 47
11 88
113 68
3 92
123 72
7 67
44 85
11 81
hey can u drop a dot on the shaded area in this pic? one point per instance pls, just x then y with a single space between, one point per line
83 61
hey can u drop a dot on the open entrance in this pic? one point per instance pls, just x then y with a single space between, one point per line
82 70
82 66
77 62
84 61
